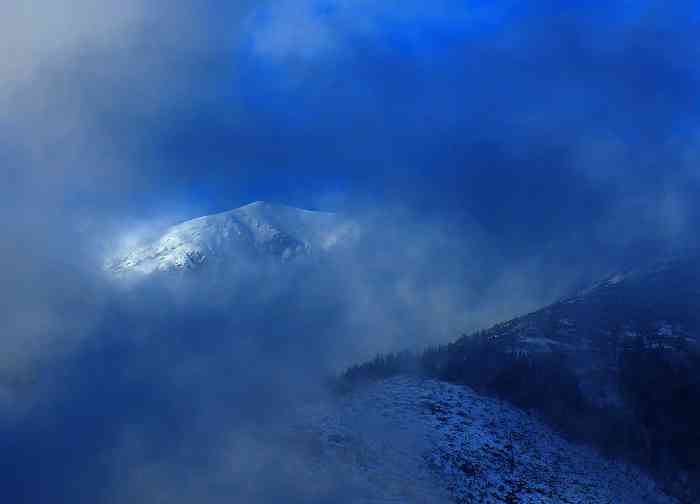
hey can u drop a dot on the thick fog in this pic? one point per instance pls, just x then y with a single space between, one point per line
478 199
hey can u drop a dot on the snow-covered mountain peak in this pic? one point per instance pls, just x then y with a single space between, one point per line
254 231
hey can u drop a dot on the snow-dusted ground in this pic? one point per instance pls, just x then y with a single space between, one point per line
413 440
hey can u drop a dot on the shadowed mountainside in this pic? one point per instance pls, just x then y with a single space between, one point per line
616 365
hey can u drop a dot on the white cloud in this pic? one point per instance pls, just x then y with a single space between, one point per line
78 79
292 29
307 30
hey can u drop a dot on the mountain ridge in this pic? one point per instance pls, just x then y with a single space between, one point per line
616 366
259 230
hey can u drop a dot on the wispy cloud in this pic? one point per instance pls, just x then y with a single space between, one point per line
301 31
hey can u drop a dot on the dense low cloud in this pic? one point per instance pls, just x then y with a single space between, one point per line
527 148
177 384
549 124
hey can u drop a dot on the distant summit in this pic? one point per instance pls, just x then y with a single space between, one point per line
256 231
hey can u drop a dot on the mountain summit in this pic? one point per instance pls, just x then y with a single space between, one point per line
255 231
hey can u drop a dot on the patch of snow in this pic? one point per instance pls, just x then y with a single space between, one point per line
616 279
664 329
543 344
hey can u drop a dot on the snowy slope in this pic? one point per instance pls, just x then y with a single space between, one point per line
412 440
253 231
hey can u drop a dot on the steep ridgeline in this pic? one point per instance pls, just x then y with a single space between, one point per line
657 308
658 305
256 231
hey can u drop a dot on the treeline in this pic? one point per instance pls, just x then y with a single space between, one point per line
662 391
657 427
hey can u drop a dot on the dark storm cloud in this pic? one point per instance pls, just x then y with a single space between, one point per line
552 119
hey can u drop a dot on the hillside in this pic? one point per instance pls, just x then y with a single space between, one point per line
424 441
617 366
